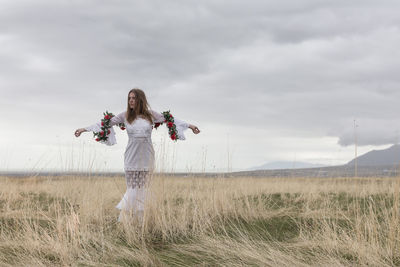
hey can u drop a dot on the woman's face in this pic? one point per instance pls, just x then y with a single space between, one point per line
131 100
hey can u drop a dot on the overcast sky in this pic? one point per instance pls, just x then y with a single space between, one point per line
263 80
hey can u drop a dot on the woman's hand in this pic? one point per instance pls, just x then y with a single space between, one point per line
79 131
194 129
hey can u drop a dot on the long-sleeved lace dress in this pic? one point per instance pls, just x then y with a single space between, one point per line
138 158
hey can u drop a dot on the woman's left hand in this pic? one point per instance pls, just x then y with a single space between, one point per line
194 129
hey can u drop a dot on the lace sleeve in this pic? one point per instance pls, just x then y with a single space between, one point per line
120 118
158 117
181 126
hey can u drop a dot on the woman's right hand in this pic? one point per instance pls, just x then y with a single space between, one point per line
79 131
194 129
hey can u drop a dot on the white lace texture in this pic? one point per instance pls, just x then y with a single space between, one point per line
136 178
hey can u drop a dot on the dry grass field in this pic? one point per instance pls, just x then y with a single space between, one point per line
72 221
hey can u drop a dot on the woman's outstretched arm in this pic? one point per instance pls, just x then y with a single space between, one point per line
181 126
94 127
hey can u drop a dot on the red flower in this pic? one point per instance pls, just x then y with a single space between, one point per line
106 117
102 123
173 137
97 139
170 124
170 115
101 133
108 132
122 128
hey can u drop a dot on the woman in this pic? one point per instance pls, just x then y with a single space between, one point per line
139 153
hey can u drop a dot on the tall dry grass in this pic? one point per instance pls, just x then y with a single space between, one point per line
50 221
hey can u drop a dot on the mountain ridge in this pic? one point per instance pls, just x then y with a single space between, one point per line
277 165
388 156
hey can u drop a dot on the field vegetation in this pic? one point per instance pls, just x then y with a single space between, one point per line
193 221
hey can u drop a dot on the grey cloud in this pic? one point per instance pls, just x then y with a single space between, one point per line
369 132
302 68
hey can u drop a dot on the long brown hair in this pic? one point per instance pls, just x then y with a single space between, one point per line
142 107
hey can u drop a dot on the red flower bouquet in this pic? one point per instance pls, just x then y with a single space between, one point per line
105 127
169 120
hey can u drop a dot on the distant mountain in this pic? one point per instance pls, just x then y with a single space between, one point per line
279 165
389 156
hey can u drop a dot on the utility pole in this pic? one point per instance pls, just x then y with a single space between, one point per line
355 149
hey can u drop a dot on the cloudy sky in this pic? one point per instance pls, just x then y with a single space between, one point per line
263 80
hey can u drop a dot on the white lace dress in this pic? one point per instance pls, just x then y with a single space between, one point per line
138 157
